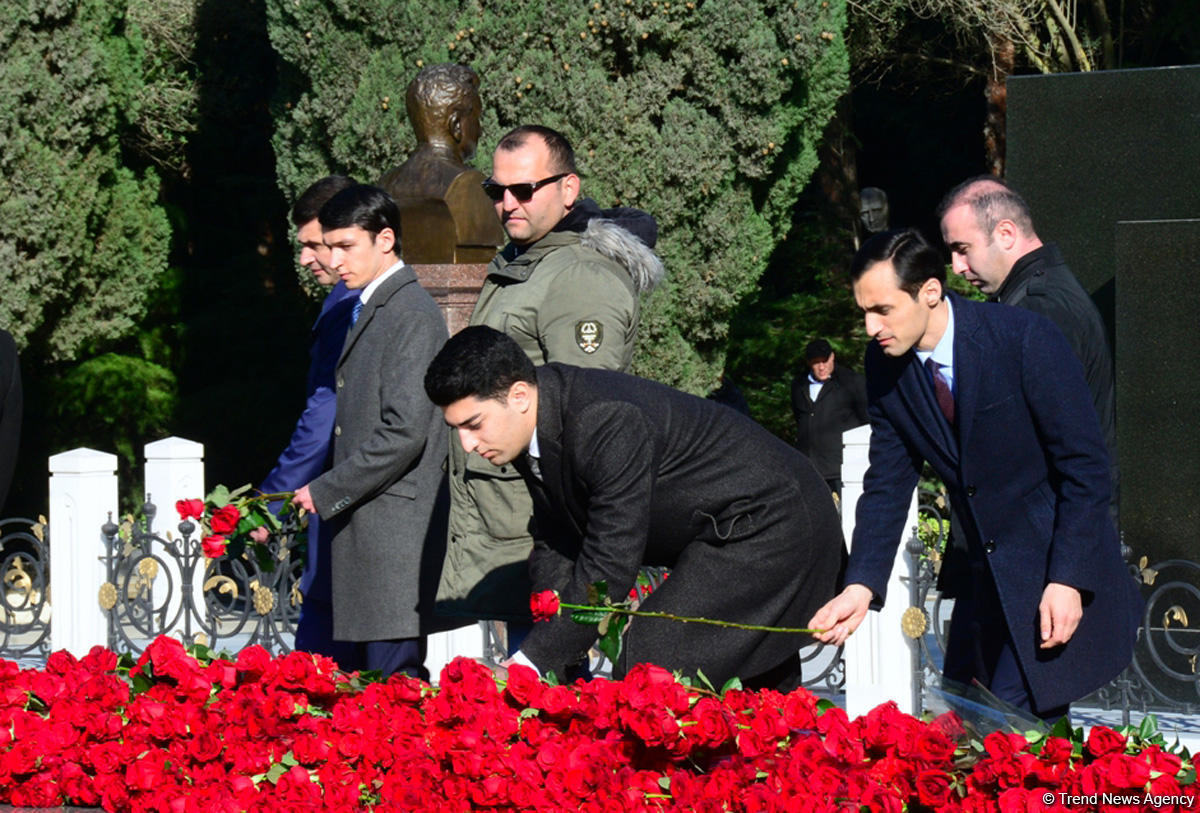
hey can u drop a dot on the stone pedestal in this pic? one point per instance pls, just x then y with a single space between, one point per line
455 287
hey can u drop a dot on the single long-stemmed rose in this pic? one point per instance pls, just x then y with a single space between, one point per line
612 616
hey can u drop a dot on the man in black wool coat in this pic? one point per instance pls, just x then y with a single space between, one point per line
627 472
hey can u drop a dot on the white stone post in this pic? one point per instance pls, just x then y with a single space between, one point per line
83 492
174 471
443 647
878 655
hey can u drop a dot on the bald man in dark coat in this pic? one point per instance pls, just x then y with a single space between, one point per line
627 472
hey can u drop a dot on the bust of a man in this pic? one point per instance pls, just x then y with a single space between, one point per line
445 217
873 211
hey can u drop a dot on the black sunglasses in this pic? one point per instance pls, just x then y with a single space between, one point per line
521 191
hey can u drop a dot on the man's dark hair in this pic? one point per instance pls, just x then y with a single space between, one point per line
991 200
479 362
365 206
912 257
562 157
308 205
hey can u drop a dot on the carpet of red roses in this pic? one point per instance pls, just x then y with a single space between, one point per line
174 733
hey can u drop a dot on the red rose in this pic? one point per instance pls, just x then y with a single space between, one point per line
933 787
224 520
1102 740
213 546
190 509
544 605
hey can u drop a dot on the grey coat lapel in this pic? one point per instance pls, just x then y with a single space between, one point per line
387 289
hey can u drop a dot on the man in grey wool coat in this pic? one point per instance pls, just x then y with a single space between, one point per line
626 472
385 493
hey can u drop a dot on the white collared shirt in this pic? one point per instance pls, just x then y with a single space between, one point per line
375 283
943 351
814 387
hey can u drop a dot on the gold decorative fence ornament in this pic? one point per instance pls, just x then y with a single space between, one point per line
224 584
264 598
914 622
108 596
1175 613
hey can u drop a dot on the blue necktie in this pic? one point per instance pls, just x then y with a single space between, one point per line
355 311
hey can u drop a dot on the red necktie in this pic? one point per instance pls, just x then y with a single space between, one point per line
941 389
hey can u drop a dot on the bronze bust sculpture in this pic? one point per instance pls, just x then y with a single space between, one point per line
445 217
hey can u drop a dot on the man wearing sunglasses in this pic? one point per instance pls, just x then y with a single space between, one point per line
566 288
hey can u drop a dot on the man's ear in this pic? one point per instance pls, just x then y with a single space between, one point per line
1005 234
571 187
386 240
519 396
931 292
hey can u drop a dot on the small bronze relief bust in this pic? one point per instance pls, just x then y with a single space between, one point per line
445 217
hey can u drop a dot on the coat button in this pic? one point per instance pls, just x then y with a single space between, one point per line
970 491
337 430
341 382
989 546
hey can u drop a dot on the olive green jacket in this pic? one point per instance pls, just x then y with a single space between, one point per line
571 297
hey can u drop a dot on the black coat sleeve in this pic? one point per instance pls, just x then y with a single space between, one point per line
610 457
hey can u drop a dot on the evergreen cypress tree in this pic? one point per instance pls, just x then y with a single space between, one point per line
705 114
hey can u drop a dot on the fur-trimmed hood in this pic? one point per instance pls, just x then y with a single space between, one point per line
624 235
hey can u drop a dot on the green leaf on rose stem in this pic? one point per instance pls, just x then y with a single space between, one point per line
201 653
1062 728
239 491
218 497
597 592
703 678
610 642
266 562
1149 727
733 684
664 782
588 616
551 678
824 706
289 759
276 772
1186 776
235 547
140 683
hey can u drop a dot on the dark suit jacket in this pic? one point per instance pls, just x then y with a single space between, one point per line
1041 282
307 454
634 472
386 491
841 405
1027 474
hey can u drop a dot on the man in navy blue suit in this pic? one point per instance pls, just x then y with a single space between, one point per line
996 402
307 453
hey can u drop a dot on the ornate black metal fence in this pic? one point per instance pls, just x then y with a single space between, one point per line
165 585
1163 677
25 595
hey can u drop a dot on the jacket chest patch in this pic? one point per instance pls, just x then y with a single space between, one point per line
589 335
